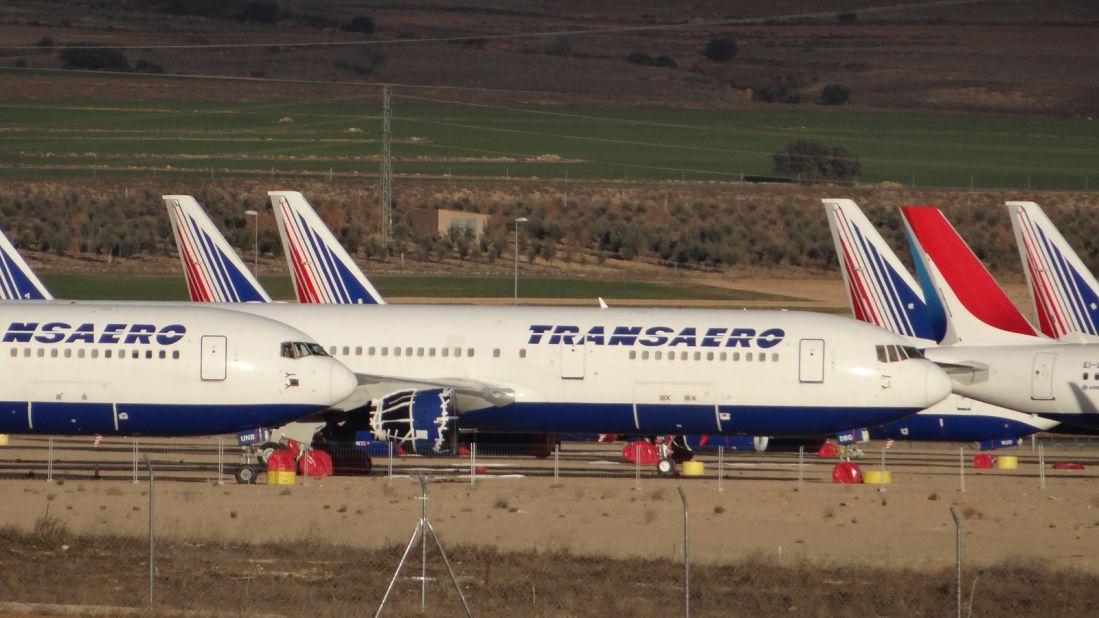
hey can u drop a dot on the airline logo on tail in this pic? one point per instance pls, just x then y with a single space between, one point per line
1063 290
976 308
17 280
213 270
322 270
881 291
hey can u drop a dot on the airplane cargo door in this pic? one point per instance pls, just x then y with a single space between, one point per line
572 362
1041 380
213 357
811 360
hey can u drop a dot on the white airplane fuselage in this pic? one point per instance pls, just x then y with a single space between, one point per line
1059 381
160 370
628 370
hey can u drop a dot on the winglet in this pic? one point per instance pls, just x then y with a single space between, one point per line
214 271
321 268
976 309
1064 292
17 280
881 290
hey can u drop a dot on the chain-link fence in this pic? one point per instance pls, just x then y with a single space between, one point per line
579 528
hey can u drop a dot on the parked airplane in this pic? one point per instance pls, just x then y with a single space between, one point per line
163 370
622 371
883 293
321 269
17 280
993 353
1064 292
214 271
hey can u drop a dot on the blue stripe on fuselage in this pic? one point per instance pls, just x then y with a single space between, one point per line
68 418
669 418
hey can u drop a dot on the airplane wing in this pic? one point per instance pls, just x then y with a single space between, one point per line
496 395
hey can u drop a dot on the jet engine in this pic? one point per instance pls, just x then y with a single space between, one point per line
418 421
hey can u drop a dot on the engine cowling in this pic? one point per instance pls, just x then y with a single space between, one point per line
419 421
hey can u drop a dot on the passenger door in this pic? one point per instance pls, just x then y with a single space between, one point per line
811 360
213 359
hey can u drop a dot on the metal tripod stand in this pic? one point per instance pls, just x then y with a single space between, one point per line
419 534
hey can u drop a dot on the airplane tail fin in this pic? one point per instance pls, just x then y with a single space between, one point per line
1064 292
881 290
321 268
17 280
214 271
976 310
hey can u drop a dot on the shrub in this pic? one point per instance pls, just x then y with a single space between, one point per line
834 94
561 45
784 91
847 17
639 58
813 160
147 66
360 23
261 12
45 41
720 49
21 63
90 57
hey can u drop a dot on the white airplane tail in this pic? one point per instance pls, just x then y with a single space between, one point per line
214 271
881 290
17 280
321 268
958 287
1064 292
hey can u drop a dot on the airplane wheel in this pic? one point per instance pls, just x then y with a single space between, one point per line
665 467
263 453
246 475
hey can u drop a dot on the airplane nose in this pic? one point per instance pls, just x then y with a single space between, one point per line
937 383
343 381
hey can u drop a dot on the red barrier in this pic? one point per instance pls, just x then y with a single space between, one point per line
846 472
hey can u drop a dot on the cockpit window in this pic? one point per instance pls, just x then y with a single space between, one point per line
301 349
895 353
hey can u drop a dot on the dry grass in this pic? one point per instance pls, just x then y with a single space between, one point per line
319 580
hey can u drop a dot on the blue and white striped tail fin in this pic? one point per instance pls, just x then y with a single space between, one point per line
17 280
214 271
321 268
881 290
1064 292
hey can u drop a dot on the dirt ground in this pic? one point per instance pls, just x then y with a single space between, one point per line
758 510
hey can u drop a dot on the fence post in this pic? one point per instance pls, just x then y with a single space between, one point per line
389 471
135 461
961 466
957 556
720 468
637 466
473 464
221 461
152 531
1041 466
686 557
49 461
801 468
556 464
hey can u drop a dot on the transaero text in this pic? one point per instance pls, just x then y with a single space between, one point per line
705 337
60 332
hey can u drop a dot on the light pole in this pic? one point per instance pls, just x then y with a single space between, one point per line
255 241
517 222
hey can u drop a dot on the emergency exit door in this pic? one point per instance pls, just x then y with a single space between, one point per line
1041 379
213 358
811 360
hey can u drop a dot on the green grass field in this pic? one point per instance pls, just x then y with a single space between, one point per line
100 287
204 139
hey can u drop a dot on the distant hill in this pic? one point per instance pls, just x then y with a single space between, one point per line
1020 58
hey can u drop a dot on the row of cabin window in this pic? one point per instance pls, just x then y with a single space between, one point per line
407 351
698 355
93 353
